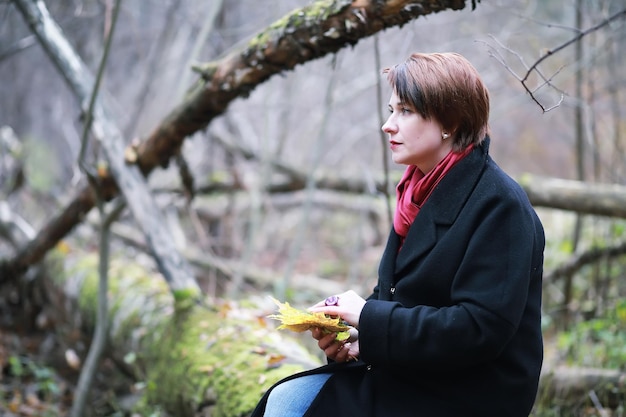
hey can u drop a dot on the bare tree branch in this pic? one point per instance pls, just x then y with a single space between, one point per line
99 340
524 79
17 47
494 53
98 343
578 261
576 38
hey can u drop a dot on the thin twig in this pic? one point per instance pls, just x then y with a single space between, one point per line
92 100
576 38
596 403
547 81
100 333
98 342
494 53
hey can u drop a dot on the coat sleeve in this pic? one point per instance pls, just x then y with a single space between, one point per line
488 295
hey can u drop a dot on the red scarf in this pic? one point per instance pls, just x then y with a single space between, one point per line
414 189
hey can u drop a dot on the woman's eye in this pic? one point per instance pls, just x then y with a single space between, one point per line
401 110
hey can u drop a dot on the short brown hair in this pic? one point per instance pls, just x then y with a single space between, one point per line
447 88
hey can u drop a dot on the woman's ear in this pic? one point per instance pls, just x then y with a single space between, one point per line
447 132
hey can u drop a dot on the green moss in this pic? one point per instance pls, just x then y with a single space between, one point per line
210 356
185 298
135 295
319 10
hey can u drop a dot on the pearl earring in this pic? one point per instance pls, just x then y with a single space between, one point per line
444 136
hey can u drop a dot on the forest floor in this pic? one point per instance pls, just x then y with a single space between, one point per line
38 374
28 387
38 377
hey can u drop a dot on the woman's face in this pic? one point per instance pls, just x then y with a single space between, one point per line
413 139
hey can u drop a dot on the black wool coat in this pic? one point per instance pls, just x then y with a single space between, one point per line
453 327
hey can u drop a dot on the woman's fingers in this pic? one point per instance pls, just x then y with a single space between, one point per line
343 352
338 351
318 333
327 341
347 305
347 352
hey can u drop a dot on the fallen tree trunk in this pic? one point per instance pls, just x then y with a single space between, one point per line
575 388
220 357
577 196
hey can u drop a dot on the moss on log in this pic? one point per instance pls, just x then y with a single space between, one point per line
219 356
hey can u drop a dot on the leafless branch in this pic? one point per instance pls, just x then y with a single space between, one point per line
576 38
495 53
88 372
578 261
534 68
17 47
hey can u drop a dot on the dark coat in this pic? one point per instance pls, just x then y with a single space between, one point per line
453 327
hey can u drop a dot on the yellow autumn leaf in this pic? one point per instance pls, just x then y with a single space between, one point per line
275 359
300 321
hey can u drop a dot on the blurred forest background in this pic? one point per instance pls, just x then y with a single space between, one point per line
251 229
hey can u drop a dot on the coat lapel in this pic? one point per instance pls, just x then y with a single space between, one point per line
443 206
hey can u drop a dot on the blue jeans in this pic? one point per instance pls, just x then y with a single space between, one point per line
292 398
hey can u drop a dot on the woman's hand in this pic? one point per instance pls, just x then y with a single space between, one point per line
338 351
348 306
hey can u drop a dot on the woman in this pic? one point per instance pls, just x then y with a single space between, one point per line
453 326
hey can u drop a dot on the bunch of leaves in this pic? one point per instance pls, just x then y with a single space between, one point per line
599 342
300 320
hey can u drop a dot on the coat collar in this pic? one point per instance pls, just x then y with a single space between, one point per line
441 208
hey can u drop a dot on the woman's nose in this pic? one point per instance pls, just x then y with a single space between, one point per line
388 126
